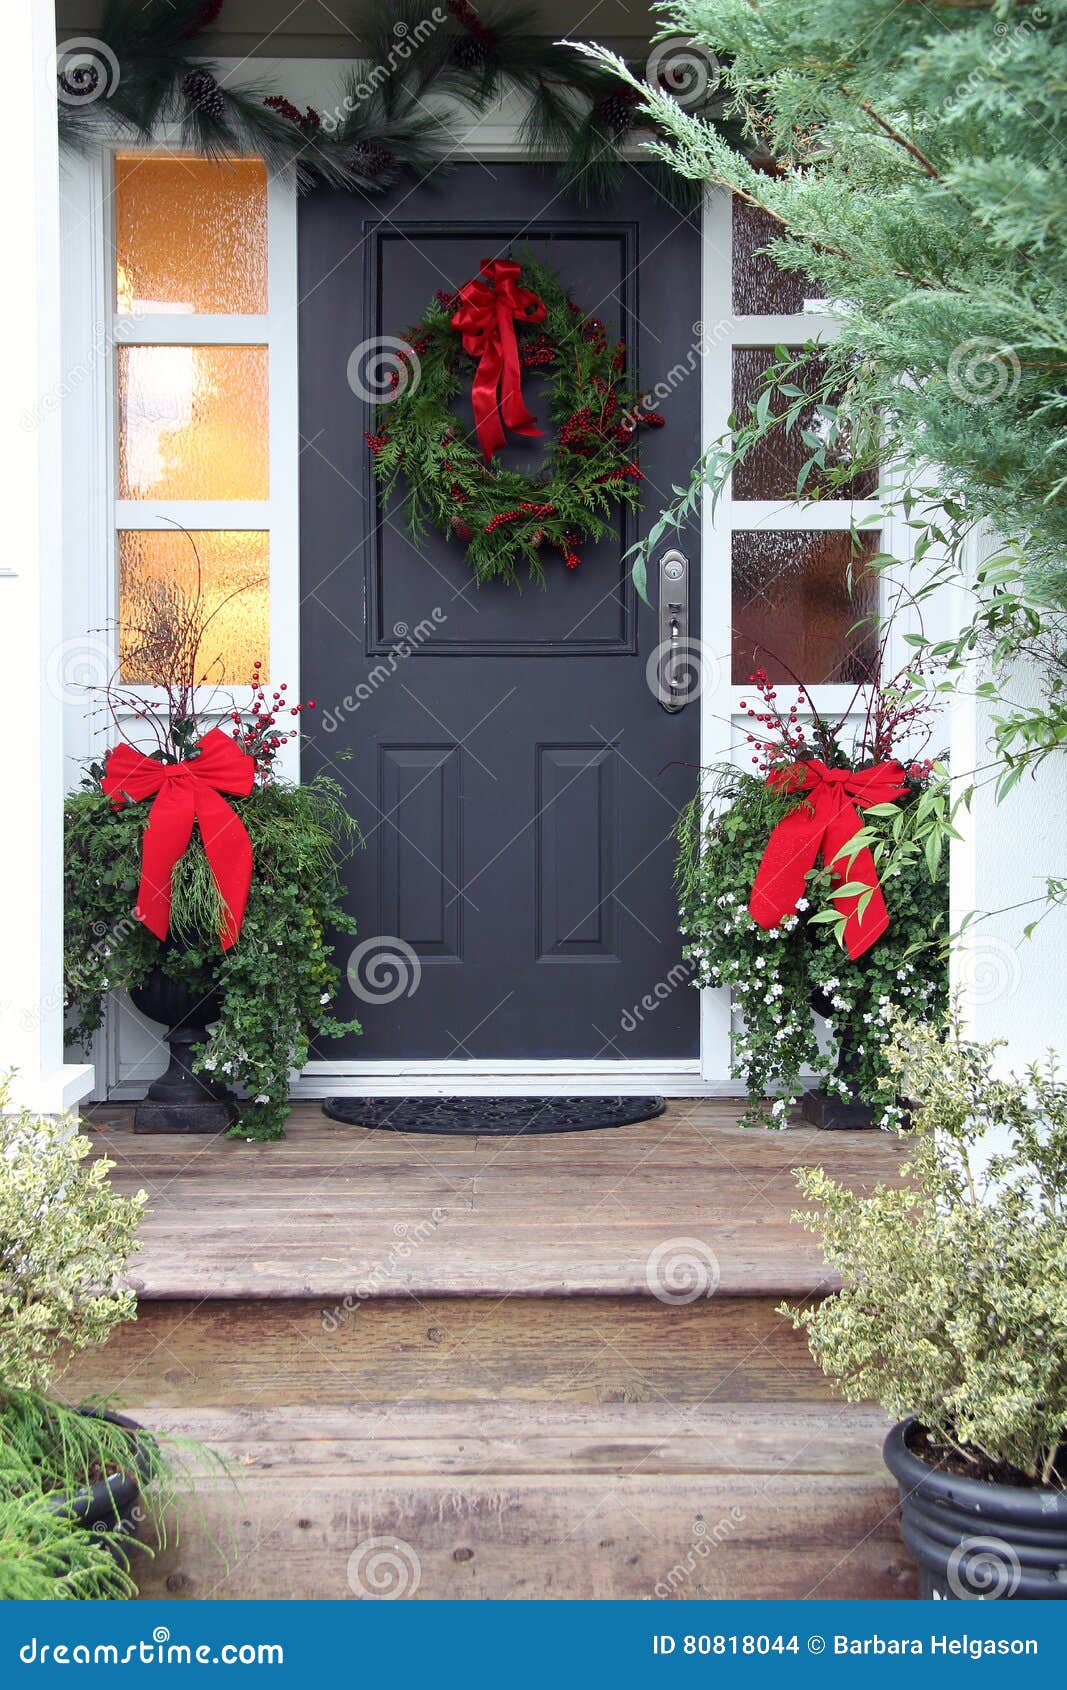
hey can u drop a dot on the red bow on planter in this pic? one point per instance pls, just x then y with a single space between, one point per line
826 823
485 318
186 793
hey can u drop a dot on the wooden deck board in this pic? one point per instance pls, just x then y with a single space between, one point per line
264 1354
631 1535
335 1211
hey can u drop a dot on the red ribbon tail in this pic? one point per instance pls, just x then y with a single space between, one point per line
487 421
166 835
788 855
861 930
229 852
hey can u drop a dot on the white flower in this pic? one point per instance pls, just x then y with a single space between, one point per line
262 1098
325 998
802 904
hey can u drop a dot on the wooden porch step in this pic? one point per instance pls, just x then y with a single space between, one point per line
613 1350
335 1211
527 1447
466 1365
514 1538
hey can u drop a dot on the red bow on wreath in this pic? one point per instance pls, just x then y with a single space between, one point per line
186 793
485 318
825 822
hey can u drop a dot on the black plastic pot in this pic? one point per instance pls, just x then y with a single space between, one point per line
827 1109
112 1504
180 1101
975 1540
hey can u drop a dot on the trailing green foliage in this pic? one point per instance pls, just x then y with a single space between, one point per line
954 1306
275 985
912 162
46 1556
504 518
65 1237
51 1455
774 974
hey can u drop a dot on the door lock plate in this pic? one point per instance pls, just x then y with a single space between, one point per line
673 630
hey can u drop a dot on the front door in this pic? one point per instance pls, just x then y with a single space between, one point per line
506 753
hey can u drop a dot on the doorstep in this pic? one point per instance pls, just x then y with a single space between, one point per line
334 1211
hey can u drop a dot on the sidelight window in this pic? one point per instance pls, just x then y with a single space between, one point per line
196 513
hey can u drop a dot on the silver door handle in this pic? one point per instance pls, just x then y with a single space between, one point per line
673 630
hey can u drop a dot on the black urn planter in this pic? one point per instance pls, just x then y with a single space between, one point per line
975 1540
827 1109
112 1504
180 1101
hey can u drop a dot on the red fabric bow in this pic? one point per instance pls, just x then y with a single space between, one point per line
490 303
186 793
826 823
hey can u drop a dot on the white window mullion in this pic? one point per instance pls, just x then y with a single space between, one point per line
181 328
194 513
284 451
818 518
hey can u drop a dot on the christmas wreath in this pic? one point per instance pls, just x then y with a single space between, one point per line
509 319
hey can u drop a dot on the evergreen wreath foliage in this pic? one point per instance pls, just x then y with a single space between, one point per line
507 520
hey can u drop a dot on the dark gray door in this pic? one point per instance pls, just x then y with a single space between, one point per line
512 768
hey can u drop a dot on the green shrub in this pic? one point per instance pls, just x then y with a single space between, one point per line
65 1236
954 1306
916 181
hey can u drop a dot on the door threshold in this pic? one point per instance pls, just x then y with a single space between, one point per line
506 1078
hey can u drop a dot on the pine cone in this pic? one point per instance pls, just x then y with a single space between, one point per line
616 112
202 91
372 160
469 53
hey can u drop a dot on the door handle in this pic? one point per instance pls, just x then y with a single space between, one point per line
673 630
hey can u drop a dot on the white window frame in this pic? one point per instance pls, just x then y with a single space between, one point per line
94 514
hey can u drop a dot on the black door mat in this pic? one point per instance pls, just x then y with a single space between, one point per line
477 1117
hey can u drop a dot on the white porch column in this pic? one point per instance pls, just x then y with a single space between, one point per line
31 628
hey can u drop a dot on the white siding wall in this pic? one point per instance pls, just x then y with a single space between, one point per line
1017 987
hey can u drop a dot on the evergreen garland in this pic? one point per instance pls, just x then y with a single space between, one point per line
147 68
506 519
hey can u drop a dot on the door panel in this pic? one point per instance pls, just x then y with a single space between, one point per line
513 772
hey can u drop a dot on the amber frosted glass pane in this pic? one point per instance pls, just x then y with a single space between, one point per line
193 422
190 234
770 470
758 285
160 601
795 609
